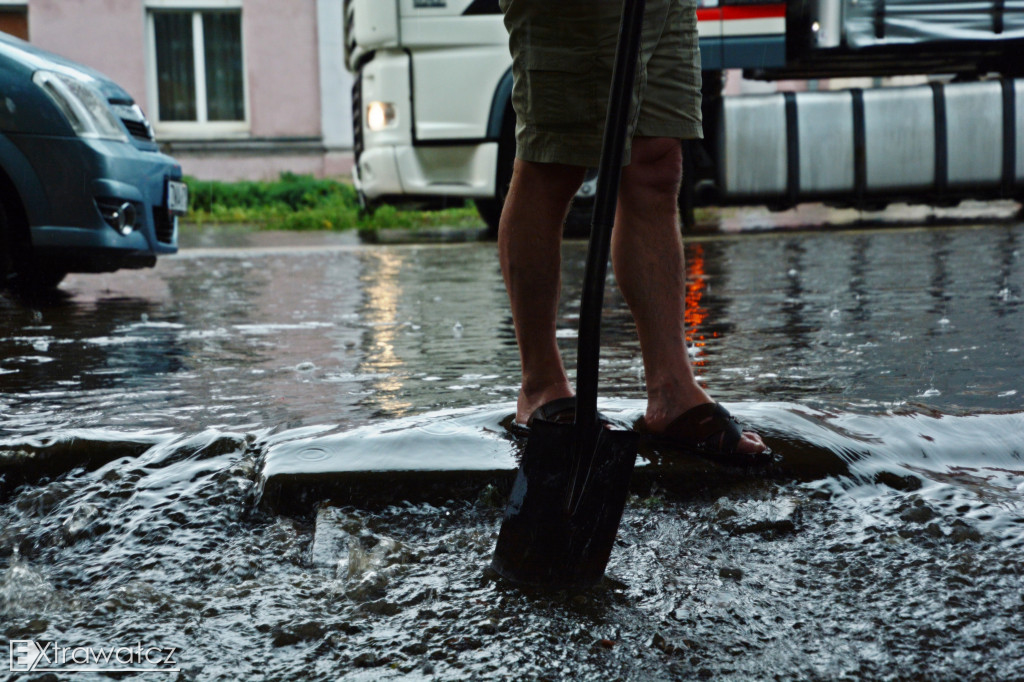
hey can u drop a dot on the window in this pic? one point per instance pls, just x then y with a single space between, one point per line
196 64
14 19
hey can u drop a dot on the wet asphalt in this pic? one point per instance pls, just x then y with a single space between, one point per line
144 413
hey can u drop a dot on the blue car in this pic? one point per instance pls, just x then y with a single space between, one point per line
83 185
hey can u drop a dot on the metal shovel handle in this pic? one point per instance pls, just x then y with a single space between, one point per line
606 199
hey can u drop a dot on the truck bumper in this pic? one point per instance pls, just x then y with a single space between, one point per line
465 170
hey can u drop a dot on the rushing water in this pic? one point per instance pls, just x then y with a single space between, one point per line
140 411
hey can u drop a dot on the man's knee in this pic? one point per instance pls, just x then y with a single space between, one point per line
539 198
556 182
656 165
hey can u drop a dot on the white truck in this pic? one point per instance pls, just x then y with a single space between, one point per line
434 124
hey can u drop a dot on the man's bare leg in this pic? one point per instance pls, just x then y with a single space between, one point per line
529 246
647 256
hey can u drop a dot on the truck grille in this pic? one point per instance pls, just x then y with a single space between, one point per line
357 117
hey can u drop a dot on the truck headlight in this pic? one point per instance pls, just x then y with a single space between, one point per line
83 107
379 115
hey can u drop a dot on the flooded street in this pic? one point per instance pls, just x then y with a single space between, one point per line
166 437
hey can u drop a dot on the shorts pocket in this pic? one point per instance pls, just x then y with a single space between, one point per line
561 89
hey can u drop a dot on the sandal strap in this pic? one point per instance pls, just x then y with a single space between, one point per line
708 427
559 410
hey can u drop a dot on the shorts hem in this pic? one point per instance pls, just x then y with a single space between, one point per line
677 130
545 147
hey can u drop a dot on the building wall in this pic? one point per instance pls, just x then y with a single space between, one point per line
234 164
298 90
108 35
282 67
280 48
335 80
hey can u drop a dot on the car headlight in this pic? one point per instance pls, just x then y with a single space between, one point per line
82 106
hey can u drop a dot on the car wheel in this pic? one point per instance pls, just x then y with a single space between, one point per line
490 209
7 271
19 269
581 212
577 223
40 278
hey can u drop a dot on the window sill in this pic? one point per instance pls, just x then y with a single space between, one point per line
201 131
242 145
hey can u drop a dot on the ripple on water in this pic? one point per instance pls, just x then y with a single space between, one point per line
887 540
739 577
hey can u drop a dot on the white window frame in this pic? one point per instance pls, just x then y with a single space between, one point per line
201 127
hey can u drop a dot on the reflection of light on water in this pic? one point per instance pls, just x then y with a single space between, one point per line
695 314
383 292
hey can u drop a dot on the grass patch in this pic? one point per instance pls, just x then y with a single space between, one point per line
302 202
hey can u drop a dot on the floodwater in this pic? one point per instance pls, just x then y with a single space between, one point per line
139 412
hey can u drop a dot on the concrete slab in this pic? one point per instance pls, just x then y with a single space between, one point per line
30 460
456 454
436 455
471 454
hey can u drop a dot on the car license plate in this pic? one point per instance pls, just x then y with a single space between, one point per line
177 197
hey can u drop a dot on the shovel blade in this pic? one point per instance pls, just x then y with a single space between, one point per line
545 542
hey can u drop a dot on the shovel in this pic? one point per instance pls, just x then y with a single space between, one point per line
570 490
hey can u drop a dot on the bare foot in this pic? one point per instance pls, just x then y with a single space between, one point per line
528 403
750 444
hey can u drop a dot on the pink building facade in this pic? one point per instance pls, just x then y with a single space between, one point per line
234 88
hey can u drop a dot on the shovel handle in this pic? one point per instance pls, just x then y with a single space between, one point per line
609 173
605 202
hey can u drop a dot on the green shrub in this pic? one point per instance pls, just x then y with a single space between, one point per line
290 191
302 202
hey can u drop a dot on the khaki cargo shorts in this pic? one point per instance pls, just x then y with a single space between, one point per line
563 52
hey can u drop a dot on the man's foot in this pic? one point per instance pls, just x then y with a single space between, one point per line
528 403
710 431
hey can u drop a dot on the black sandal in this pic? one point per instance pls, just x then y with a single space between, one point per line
559 411
710 431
